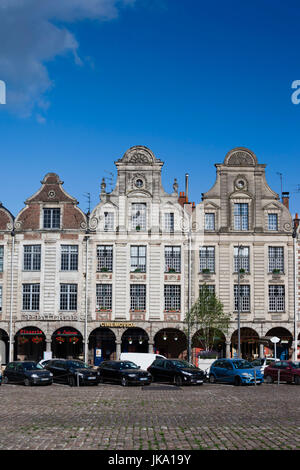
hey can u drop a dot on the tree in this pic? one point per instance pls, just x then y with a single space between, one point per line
207 317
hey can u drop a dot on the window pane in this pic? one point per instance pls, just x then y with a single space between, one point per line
244 298
241 217
207 258
105 258
241 259
209 222
172 296
272 221
69 257
169 222
52 218
104 296
138 211
138 297
276 258
173 259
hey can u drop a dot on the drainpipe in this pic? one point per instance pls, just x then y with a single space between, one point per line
10 357
295 353
86 303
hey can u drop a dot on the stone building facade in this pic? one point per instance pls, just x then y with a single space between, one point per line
123 277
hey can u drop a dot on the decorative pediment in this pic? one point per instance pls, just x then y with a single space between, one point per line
272 206
209 205
139 155
240 157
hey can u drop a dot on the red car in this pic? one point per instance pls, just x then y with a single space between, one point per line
286 371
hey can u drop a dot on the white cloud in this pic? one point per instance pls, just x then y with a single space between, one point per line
30 37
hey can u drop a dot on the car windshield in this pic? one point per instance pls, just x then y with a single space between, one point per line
31 366
128 365
295 365
242 365
183 365
257 362
78 365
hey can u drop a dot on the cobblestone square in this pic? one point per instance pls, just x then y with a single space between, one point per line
158 417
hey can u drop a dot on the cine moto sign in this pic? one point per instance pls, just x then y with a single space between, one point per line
275 340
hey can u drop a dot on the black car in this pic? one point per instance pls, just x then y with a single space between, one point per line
176 371
124 372
27 372
72 372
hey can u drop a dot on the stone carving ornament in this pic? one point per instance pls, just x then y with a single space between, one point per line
240 158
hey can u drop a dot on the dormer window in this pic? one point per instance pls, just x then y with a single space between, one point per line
51 218
108 221
272 222
241 216
138 216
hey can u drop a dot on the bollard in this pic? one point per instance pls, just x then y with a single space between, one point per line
255 377
278 377
77 375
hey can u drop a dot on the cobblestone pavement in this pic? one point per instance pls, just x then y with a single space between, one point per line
157 417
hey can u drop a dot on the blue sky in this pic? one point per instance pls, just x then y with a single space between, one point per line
87 79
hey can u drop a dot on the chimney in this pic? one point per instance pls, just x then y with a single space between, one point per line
187 186
182 199
285 200
296 221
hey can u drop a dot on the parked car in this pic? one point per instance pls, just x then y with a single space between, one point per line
262 363
144 360
234 371
123 372
28 373
176 371
0 377
72 372
285 371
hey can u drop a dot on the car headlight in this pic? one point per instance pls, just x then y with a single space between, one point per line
131 375
34 376
51 375
79 374
186 373
246 375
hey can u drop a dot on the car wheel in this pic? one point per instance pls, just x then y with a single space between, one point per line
178 381
237 381
268 379
124 382
5 380
71 382
27 382
212 379
297 380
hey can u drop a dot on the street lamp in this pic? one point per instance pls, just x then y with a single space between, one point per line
239 300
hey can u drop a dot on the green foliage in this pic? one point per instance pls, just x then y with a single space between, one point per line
208 318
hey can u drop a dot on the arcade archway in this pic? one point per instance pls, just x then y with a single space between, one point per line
135 340
283 348
249 343
102 345
4 347
67 343
171 342
30 344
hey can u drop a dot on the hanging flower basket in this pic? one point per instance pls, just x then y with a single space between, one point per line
23 340
37 339
73 339
60 339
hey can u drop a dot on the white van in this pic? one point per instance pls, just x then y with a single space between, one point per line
144 360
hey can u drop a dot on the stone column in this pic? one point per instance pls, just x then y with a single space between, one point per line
228 343
261 350
118 349
151 348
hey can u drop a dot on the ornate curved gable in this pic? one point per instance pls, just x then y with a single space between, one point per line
139 155
240 157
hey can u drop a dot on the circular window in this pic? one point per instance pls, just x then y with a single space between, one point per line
139 183
240 184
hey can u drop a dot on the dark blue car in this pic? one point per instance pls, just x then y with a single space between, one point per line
234 371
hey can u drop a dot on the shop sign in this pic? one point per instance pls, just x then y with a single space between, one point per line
117 325
30 332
